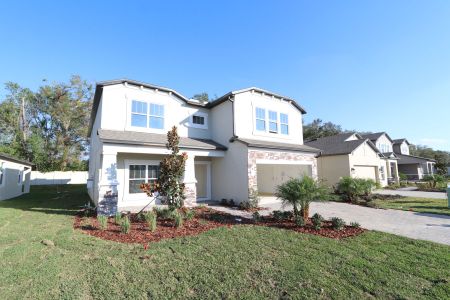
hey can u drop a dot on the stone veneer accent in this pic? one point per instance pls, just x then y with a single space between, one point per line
254 155
190 192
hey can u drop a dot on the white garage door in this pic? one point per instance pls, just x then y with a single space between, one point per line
270 176
366 172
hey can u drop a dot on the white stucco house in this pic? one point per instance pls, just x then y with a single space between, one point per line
14 177
350 154
244 140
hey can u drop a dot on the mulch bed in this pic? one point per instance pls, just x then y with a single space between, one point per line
205 219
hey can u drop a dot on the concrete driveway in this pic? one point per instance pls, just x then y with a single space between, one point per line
429 227
418 194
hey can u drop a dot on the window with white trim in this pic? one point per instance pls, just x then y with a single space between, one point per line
139 113
273 121
200 120
139 174
284 124
260 119
147 115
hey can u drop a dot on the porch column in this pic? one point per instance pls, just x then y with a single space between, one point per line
397 177
107 202
189 181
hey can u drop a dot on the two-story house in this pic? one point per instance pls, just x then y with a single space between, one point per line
414 167
246 140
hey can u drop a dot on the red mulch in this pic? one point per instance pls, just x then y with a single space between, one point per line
205 219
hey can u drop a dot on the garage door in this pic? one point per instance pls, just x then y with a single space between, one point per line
366 172
270 176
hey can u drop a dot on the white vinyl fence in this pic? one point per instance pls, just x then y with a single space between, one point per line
51 178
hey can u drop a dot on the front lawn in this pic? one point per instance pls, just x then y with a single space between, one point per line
237 262
425 205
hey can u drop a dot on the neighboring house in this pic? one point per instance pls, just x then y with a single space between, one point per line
348 154
414 167
384 143
246 140
14 177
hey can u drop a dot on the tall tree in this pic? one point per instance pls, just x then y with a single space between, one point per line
318 129
47 127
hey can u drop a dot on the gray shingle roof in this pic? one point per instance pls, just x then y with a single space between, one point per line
337 144
154 139
276 145
399 141
375 136
410 159
16 160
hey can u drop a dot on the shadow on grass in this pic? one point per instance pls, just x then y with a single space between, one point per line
50 199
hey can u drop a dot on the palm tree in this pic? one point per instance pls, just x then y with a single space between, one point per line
300 192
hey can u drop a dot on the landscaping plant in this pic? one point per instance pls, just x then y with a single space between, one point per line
300 221
354 188
189 214
355 224
300 192
125 224
178 218
337 223
256 216
103 221
317 220
117 218
150 219
253 198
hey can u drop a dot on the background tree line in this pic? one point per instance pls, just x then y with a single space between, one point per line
49 126
318 129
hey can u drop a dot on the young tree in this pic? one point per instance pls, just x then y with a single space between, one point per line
170 180
300 193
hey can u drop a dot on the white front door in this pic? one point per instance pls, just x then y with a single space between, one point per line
203 177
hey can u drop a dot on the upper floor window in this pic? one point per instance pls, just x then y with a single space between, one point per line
273 121
260 119
147 116
284 123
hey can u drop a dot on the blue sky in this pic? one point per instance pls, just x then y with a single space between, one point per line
367 65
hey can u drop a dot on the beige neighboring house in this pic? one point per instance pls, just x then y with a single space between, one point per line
348 154
14 177
414 167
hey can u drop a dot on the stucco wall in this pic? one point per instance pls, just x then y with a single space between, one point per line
383 140
51 178
10 186
244 111
332 168
117 100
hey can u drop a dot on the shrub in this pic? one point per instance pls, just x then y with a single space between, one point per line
164 212
224 202
256 216
125 224
103 221
190 214
253 198
117 218
367 185
280 215
402 176
337 223
244 205
300 221
317 220
355 224
354 188
150 219
178 217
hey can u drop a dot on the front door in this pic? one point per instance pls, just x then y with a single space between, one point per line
203 177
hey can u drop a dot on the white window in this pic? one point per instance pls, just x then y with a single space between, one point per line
139 114
273 121
260 119
284 123
156 116
147 116
139 174
198 120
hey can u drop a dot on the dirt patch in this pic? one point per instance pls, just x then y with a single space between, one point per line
205 219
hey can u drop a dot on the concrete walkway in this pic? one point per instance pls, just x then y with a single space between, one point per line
418 194
429 227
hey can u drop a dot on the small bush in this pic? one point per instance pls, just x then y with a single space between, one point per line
282 215
352 188
164 212
253 198
189 214
231 203
103 221
256 216
117 218
337 223
224 202
244 205
317 220
178 218
125 225
150 219
402 176
299 221
355 224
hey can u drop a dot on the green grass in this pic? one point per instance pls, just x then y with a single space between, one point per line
247 262
425 205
